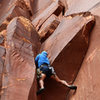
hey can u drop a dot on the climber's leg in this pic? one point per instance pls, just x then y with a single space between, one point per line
63 82
41 80
41 83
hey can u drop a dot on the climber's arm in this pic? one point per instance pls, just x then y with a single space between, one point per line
36 60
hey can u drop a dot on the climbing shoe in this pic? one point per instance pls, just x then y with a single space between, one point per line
73 87
40 91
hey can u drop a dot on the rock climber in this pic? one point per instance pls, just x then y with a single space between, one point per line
45 70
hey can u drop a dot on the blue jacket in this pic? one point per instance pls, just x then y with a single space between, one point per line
42 59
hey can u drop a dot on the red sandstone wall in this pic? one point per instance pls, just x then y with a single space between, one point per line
88 78
64 28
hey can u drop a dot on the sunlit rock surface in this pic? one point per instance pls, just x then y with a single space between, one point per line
39 6
54 7
88 76
10 9
67 48
77 6
48 27
67 29
19 71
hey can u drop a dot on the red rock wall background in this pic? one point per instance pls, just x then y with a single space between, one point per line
69 30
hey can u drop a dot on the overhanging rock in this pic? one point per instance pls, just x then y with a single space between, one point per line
88 78
67 47
21 47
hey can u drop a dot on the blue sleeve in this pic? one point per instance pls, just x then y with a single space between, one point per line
36 60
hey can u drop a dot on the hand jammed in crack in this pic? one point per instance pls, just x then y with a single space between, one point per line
45 70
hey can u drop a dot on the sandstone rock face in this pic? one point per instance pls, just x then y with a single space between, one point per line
77 6
38 6
67 47
11 9
64 28
95 10
64 2
48 27
88 78
2 51
2 60
19 76
1 39
62 36
54 7
2 57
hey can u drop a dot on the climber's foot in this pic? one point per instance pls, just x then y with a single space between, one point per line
73 87
40 91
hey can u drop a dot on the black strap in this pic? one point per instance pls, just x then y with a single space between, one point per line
44 65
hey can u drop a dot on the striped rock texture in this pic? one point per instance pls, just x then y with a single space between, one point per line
69 30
